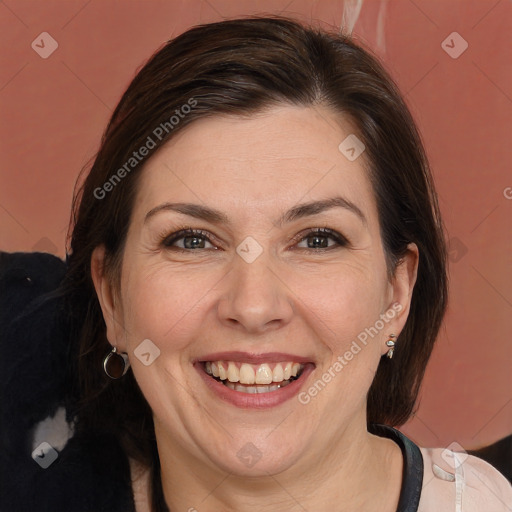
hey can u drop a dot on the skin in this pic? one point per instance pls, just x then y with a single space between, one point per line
292 298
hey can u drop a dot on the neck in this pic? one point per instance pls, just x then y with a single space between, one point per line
358 471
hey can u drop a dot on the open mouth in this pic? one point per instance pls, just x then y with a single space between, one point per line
251 378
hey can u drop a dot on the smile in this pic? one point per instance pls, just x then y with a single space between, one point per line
249 378
254 382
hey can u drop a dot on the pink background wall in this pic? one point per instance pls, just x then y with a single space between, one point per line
55 109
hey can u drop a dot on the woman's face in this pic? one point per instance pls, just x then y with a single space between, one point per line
283 271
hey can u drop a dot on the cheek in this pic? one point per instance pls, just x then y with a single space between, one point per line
342 303
168 305
341 310
161 304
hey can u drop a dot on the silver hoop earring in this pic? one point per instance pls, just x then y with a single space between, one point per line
391 344
115 364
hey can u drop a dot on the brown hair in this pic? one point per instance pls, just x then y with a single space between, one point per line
240 67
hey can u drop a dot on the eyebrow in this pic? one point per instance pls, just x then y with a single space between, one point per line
297 212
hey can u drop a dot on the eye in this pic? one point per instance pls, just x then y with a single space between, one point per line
188 239
320 238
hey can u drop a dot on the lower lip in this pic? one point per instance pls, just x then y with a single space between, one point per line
255 400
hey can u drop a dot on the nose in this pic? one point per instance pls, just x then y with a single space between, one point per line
256 299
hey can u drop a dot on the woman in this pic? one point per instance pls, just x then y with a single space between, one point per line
257 276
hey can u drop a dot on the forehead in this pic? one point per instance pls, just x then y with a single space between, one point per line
270 160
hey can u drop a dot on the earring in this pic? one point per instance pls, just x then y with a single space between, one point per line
115 365
391 344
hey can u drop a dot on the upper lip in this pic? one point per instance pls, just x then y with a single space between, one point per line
252 358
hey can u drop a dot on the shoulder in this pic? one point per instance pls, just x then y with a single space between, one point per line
462 482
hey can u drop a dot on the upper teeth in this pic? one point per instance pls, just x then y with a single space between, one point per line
252 374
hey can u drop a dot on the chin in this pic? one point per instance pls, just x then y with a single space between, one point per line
251 461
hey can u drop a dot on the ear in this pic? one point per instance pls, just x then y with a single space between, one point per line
111 309
402 285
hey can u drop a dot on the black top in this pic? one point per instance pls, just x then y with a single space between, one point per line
412 476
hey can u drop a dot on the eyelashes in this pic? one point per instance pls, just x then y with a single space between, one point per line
320 238
311 239
193 239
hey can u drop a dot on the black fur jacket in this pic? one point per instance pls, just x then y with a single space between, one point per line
43 466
